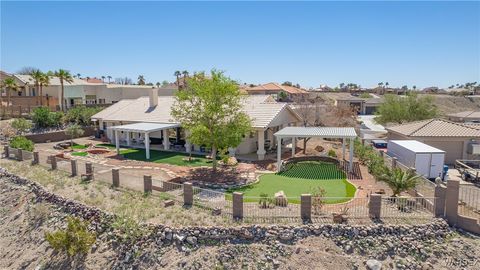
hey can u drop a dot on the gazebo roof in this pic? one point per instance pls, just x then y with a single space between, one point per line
323 132
144 127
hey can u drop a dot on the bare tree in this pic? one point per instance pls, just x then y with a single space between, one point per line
26 70
310 111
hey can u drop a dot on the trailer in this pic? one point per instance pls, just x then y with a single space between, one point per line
469 169
427 160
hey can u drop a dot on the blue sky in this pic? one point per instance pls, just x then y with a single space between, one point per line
311 43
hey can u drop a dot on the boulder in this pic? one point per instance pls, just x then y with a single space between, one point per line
281 199
374 265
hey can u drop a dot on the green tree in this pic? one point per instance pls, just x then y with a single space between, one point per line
22 125
81 115
75 239
9 84
211 110
65 77
20 142
43 117
398 109
282 96
400 181
164 83
177 75
74 131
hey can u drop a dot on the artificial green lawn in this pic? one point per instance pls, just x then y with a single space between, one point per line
79 154
79 146
302 178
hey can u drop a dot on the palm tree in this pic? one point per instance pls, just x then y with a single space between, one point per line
9 84
141 80
400 181
109 78
78 75
414 87
185 75
158 84
386 84
44 81
37 75
103 79
64 76
177 74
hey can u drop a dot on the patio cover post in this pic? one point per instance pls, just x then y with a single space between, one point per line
147 145
128 137
343 148
117 142
166 141
261 144
350 165
279 153
293 146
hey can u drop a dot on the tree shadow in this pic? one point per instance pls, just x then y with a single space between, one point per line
208 175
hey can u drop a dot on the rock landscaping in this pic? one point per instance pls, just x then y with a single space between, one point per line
378 246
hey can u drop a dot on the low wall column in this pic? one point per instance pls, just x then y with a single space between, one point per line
440 200
147 183
89 170
394 162
6 150
237 205
19 154
306 206
116 177
36 158
53 162
375 206
451 201
187 194
74 167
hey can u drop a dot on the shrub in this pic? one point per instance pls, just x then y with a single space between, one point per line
400 181
23 143
43 117
265 201
331 153
365 95
22 125
81 115
74 131
128 229
75 239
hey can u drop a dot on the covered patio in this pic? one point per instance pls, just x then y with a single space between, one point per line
145 129
343 133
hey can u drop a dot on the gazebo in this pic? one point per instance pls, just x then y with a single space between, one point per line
146 129
343 133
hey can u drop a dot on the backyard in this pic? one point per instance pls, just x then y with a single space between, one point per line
302 178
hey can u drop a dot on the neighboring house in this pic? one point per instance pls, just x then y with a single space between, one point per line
433 90
381 90
79 91
267 118
466 116
274 89
363 106
456 139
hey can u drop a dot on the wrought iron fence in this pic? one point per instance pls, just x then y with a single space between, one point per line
218 202
469 201
407 207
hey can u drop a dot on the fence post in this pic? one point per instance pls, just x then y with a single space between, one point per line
116 177
147 183
394 162
187 194
451 201
89 170
36 158
6 149
73 165
237 205
306 206
440 192
19 154
375 206
53 162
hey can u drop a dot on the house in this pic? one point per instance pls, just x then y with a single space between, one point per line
78 92
275 89
364 106
466 116
146 121
433 90
456 139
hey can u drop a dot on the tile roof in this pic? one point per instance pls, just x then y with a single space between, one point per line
261 110
325 132
465 114
53 80
435 128
274 87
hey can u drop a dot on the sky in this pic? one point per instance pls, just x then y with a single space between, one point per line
310 43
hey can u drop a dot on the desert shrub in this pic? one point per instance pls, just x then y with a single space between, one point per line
365 95
331 153
265 201
75 239
43 117
318 199
23 143
22 125
128 229
74 131
81 115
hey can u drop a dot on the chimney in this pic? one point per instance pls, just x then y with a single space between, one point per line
153 97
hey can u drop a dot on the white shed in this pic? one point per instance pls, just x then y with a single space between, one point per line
427 160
